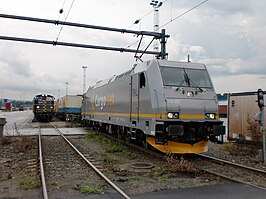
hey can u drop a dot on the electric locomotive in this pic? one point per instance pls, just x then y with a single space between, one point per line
43 107
169 105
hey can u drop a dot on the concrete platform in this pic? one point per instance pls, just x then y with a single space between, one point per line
51 131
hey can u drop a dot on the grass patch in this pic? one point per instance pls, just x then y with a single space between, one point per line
5 176
113 149
110 146
180 165
89 189
29 182
109 160
164 177
92 136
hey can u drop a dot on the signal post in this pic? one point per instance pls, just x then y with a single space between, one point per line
261 106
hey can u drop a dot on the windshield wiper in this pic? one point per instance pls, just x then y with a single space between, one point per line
189 80
200 89
180 85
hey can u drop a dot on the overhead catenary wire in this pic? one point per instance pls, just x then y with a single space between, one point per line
61 10
156 35
171 9
138 20
132 44
78 45
40 20
183 13
64 19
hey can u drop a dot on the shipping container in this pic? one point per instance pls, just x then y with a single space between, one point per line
70 104
242 117
8 106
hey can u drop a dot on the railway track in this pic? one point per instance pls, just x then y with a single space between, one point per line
222 168
233 171
76 156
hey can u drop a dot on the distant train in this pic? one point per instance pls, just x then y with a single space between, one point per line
43 107
169 105
69 107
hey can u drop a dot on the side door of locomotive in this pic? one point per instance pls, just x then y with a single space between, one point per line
134 101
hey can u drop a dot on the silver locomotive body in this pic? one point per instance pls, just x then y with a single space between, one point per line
170 105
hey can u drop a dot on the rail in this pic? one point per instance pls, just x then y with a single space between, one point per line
232 163
91 165
247 168
44 187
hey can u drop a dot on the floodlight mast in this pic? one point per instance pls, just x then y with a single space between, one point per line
162 36
66 88
84 79
156 5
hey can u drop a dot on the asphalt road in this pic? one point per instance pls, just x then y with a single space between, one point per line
223 191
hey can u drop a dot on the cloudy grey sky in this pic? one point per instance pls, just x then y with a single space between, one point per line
228 36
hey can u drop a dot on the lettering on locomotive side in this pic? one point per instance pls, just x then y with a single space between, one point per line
173 101
110 99
91 102
102 101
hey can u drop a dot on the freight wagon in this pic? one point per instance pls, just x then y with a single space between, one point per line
242 115
69 106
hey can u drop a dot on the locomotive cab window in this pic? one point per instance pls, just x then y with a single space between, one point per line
173 76
185 77
199 78
142 80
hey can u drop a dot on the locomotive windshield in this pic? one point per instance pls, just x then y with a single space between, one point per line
185 77
43 98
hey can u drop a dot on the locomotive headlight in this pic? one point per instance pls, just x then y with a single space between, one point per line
190 94
37 106
210 116
171 115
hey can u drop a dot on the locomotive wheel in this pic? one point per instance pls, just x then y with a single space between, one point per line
128 138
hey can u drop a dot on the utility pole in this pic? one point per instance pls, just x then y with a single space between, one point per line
66 88
23 98
84 79
156 5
